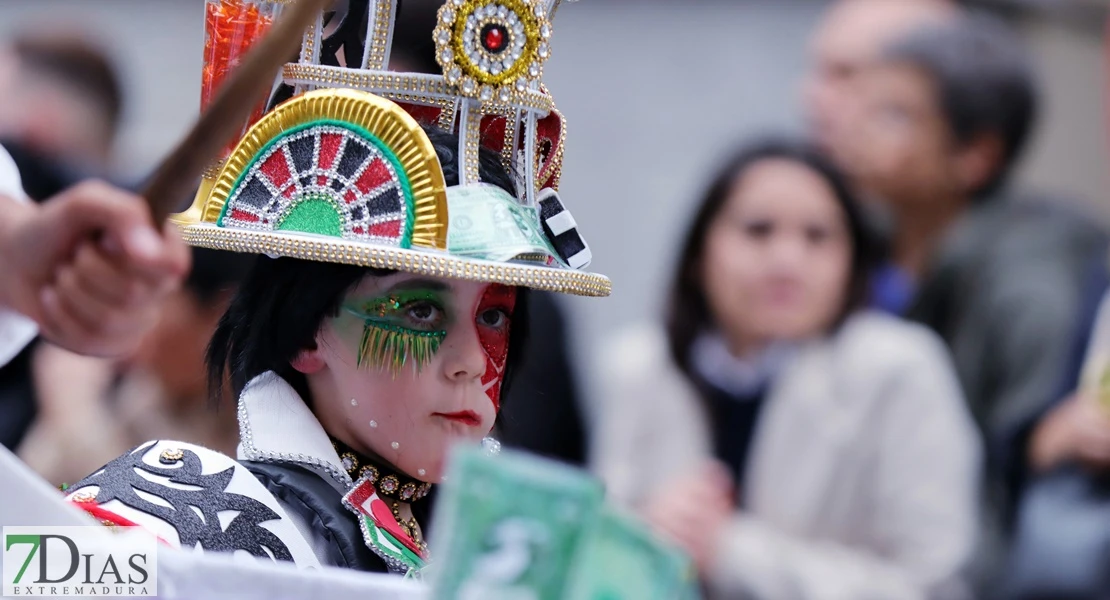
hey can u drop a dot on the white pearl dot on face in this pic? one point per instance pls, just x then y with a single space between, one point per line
373 424
395 445
421 472
354 402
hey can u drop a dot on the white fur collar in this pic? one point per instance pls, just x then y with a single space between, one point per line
275 425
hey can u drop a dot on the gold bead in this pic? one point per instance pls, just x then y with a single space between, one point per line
172 455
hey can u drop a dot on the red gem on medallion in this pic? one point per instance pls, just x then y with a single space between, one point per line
495 39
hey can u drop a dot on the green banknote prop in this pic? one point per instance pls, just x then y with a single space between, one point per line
622 560
517 527
487 223
509 527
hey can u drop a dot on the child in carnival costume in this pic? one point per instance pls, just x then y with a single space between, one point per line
401 219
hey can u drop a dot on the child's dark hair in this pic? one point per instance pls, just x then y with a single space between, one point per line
282 303
215 274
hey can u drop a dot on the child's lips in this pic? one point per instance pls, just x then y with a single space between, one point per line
464 417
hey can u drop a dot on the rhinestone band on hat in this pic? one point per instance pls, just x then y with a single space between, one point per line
417 88
379 36
410 261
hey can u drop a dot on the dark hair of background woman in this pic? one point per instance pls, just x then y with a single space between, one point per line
282 303
688 313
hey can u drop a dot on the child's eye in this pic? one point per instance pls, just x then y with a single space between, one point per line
495 318
424 314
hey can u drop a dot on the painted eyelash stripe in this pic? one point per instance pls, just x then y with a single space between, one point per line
391 347
386 343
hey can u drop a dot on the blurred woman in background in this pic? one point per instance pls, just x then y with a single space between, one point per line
794 444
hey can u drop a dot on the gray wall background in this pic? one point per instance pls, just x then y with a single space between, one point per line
653 91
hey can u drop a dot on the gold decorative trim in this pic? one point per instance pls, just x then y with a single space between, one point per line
308 49
390 123
472 139
420 262
555 169
382 21
508 149
448 111
417 87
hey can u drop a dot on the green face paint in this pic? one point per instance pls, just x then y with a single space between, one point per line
401 326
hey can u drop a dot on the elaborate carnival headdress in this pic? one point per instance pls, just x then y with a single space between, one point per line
343 171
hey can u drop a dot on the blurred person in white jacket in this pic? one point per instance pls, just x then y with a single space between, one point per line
86 269
796 445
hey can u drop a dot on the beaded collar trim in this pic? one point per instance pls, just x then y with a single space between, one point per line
267 393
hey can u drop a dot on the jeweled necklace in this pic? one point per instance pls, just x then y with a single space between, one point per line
387 482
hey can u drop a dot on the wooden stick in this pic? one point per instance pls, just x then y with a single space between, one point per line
176 178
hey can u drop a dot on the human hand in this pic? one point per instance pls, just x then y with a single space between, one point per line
88 267
1076 430
692 510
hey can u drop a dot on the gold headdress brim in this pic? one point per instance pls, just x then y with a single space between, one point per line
420 262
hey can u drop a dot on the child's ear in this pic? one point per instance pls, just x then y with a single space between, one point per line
308 361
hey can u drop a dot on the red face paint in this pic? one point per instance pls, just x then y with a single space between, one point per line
495 340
